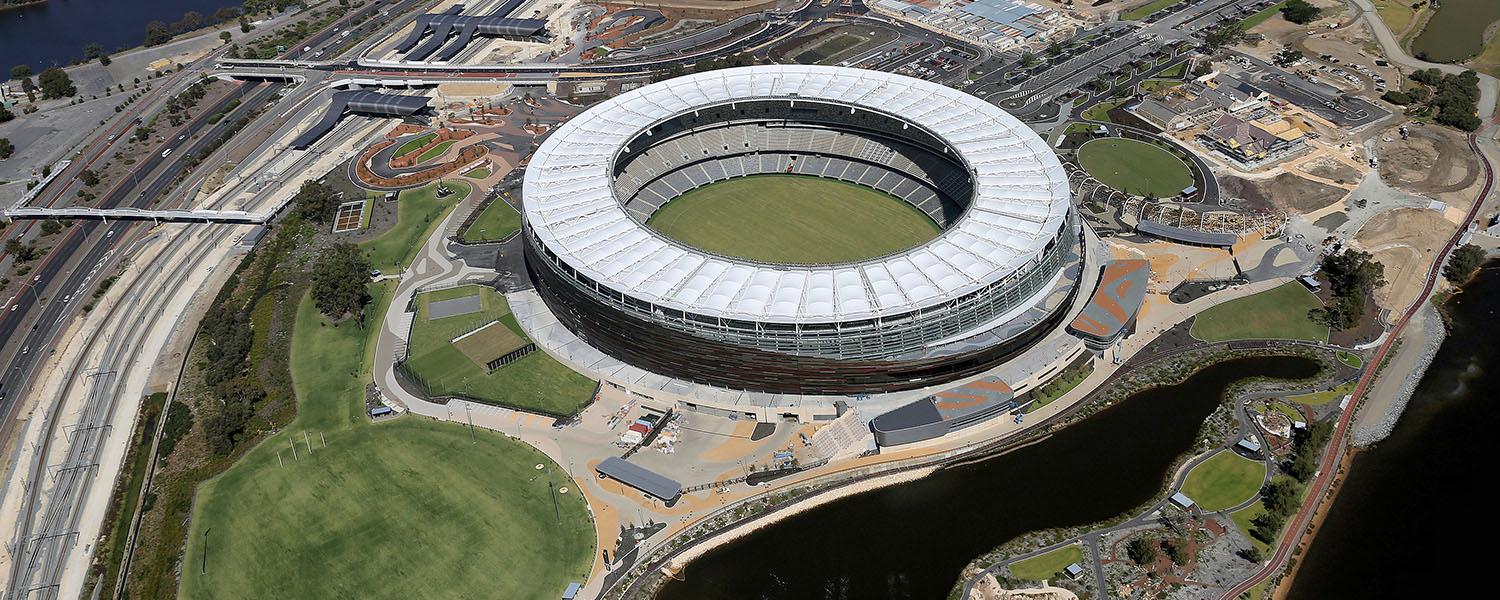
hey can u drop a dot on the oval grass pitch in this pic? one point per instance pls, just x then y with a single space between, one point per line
1135 167
793 219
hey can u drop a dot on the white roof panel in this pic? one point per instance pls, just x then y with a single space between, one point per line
1021 198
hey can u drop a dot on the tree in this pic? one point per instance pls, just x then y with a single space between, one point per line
224 35
1300 12
315 202
244 24
1280 496
20 71
1028 59
55 83
5 115
1463 263
339 277
1142 551
88 177
1252 554
157 34
104 60
1226 34
6 148
51 226
1286 57
1397 97
92 51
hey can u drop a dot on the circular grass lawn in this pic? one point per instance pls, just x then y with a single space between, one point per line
1135 167
793 219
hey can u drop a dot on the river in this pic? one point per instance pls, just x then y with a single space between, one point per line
1413 508
54 32
911 540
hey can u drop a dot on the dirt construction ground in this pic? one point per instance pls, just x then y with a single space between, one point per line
1405 241
1285 191
1435 160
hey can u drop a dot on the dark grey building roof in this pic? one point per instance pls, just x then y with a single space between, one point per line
1116 300
1188 236
360 102
640 478
916 414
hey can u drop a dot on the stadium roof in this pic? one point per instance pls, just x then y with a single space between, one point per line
362 102
1020 199
639 478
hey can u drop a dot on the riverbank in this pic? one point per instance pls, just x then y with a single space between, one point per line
1399 377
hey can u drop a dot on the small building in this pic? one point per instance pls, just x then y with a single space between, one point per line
1248 445
572 591
1073 571
1249 142
380 411
1310 282
1182 501
1188 191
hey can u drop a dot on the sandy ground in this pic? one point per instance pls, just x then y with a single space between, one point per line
1405 241
1435 160
1285 191
989 588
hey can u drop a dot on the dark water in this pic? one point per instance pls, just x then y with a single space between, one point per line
911 540
1413 507
54 32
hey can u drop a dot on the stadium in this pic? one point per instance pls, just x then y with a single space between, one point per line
868 232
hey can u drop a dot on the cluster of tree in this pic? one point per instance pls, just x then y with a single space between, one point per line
158 33
1300 12
1465 260
1453 98
223 426
269 7
6 148
88 177
1352 275
21 251
315 202
177 106
707 64
93 51
1280 498
226 336
51 226
338 281
1308 449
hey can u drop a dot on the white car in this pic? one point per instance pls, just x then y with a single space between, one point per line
166 153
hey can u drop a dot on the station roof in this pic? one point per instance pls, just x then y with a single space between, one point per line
1020 199
362 102
639 478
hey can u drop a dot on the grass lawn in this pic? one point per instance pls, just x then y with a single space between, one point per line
1151 86
419 211
1174 71
414 144
1224 480
1046 566
1244 517
496 222
1325 397
1135 167
1277 313
1100 111
1350 358
395 510
436 151
478 172
1060 385
1262 16
1145 10
536 382
793 219
1397 14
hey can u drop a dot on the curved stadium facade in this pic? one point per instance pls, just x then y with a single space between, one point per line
998 277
